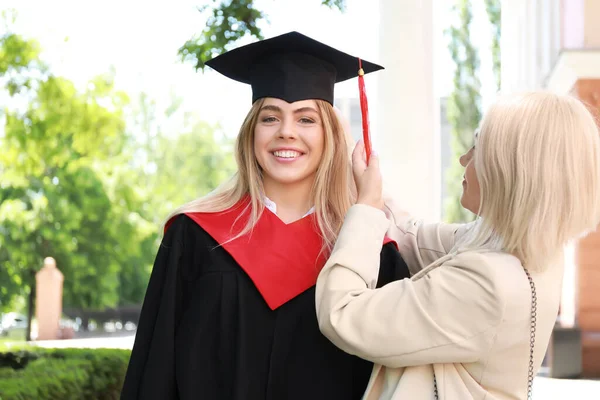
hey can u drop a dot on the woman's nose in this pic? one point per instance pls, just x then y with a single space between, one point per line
286 130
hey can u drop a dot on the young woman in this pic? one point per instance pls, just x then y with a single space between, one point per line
230 312
475 319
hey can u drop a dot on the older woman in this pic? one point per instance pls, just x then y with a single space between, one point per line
475 318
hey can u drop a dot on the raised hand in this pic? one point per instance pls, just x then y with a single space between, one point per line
367 177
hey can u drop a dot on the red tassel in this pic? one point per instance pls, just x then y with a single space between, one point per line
364 108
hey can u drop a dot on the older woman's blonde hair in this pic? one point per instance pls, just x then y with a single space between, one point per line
331 192
537 159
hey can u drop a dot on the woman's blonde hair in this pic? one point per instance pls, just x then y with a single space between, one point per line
537 159
331 192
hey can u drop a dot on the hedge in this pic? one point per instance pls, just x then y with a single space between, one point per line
62 374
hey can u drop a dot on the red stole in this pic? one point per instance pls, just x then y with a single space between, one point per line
282 260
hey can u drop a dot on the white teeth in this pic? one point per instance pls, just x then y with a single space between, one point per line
286 154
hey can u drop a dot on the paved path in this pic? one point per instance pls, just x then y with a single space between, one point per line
118 342
565 389
544 388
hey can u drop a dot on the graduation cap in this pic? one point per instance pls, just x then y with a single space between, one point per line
290 67
295 67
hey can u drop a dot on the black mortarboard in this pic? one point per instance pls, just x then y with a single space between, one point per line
290 67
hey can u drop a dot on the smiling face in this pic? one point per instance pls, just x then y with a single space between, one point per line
289 141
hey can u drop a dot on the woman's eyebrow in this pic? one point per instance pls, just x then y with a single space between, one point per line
297 111
305 109
271 108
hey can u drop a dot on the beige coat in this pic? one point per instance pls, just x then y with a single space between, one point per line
464 315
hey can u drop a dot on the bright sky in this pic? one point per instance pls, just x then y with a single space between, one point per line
140 39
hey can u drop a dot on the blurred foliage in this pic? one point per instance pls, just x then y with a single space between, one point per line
464 104
49 374
493 9
76 184
228 22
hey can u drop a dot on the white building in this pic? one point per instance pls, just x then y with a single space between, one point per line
555 45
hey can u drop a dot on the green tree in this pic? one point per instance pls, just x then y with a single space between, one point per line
65 181
493 9
228 22
191 165
464 105
53 198
178 162
16 56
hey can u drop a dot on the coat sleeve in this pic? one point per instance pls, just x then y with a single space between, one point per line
151 370
419 243
446 316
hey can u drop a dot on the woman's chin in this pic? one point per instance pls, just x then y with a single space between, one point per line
465 204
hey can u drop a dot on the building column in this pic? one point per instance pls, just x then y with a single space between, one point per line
530 43
406 133
48 308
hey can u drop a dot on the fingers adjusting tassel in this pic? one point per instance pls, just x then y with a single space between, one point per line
364 108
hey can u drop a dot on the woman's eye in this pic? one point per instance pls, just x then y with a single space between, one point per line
307 121
269 119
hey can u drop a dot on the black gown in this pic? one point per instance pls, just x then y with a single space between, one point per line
205 332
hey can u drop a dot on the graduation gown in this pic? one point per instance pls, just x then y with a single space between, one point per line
212 328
